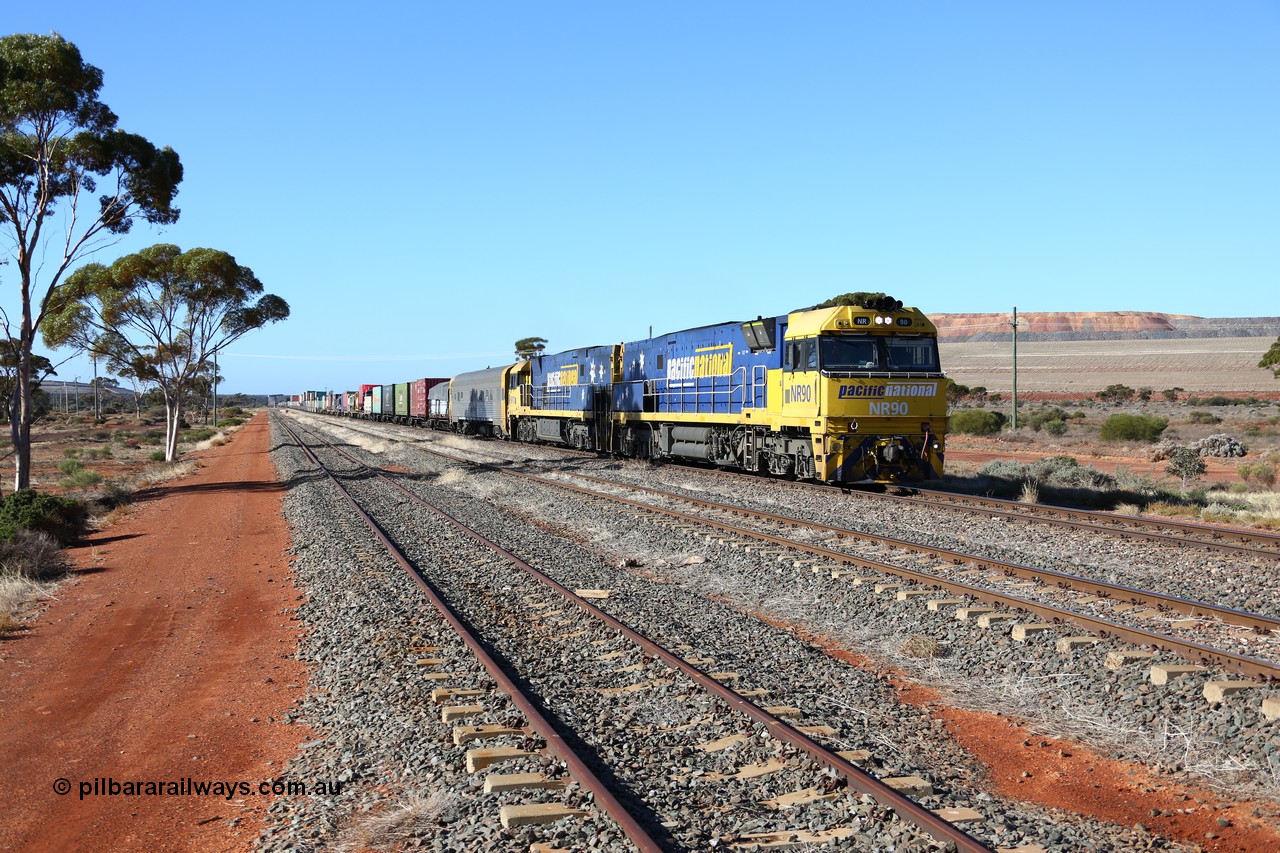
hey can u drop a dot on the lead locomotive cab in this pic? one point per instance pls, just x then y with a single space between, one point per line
868 379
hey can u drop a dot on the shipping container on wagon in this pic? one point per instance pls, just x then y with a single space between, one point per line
402 400
388 401
366 398
419 399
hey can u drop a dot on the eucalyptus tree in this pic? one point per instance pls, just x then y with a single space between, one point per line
529 347
1271 359
60 152
162 314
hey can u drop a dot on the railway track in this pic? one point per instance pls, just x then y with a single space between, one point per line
552 601
1247 543
1096 593
1227 540
1092 594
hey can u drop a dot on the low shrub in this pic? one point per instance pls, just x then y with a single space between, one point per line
1056 426
1116 393
1122 427
197 435
70 465
1062 471
1038 418
157 456
83 479
1202 417
229 422
977 422
61 518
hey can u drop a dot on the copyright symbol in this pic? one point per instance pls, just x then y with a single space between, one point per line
61 786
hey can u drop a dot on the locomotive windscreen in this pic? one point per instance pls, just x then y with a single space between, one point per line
851 353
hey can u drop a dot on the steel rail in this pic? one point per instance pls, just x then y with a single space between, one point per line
1197 652
540 724
1107 522
858 779
1095 520
1189 606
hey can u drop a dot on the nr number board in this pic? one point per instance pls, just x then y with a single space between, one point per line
889 408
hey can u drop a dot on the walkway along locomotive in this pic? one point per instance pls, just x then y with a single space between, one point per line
842 395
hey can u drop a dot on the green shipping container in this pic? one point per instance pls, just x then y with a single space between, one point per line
402 399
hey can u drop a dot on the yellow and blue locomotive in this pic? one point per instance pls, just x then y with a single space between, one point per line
841 395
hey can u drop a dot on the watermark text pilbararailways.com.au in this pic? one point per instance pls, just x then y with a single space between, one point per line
227 789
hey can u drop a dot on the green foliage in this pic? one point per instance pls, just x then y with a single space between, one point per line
529 347
1122 427
1186 464
81 479
1055 426
1037 418
1199 417
956 391
161 314
977 422
1116 394
863 299
195 435
1264 473
1171 394
229 422
61 518
1271 359
70 465
1144 394
157 456
60 149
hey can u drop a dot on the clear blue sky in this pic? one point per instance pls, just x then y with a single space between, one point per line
427 182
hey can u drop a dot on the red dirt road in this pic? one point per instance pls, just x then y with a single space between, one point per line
168 659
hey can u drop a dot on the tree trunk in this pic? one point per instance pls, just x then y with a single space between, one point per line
173 417
22 423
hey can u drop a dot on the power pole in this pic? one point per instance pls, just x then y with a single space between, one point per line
1014 325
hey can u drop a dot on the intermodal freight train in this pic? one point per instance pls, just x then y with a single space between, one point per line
841 395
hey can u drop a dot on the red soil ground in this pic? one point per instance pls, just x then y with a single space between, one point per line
168 658
1064 775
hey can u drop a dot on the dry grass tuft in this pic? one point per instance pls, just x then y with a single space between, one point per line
32 555
164 472
399 825
16 593
921 646
1030 493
